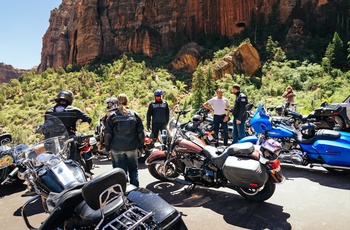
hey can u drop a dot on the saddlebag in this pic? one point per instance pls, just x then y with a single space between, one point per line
165 215
244 172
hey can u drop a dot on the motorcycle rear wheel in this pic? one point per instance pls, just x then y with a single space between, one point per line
157 171
258 195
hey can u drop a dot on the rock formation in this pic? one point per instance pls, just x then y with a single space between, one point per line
7 72
245 59
82 30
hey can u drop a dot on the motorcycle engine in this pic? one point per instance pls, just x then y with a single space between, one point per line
196 169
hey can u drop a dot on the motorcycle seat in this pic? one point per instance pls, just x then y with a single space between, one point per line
88 213
322 134
239 149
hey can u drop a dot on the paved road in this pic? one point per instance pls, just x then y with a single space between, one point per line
308 199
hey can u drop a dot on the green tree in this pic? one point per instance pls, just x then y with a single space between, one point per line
279 55
271 47
198 87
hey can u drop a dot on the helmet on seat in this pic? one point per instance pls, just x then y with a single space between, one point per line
65 95
196 119
308 130
158 92
271 149
111 102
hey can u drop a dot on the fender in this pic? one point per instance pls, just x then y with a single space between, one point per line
157 156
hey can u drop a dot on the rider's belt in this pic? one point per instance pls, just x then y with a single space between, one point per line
219 114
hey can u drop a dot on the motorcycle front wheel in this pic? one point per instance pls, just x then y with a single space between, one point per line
157 171
258 195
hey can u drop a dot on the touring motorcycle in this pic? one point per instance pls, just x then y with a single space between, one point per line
10 160
250 169
307 146
104 202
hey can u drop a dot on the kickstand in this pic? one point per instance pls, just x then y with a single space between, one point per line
190 188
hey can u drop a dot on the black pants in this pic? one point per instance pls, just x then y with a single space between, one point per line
156 128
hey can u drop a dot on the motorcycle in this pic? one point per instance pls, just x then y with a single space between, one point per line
246 168
306 146
104 202
146 148
9 160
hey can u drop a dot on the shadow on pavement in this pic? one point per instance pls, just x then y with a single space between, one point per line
317 175
235 210
9 189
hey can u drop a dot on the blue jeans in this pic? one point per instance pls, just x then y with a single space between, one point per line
238 131
219 120
128 161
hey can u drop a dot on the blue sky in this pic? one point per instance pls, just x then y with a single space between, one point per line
23 24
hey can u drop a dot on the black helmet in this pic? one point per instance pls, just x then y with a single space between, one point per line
66 95
196 119
308 130
158 92
112 100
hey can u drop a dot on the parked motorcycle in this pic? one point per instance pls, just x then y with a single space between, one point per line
104 202
250 169
9 160
146 148
306 146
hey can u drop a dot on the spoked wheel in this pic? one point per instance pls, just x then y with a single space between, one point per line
157 171
258 195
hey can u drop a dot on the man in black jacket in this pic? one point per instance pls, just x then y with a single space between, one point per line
158 114
124 134
69 115
239 114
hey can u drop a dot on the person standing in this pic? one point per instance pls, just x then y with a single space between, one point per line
289 98
124 134
69 115
219 105
157 114
239 114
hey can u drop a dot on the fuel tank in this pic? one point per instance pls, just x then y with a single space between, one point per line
188 146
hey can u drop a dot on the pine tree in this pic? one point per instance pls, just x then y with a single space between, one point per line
198 87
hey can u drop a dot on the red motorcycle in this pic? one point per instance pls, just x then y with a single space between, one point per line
252 170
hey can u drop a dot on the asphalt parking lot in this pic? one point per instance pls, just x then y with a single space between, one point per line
308 199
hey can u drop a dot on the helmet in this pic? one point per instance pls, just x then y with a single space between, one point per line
66 95
112 100
308 130
196 119
271 149
158 92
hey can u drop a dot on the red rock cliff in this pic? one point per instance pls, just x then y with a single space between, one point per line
81 30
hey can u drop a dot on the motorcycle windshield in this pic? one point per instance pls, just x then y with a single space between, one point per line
50 136
261 120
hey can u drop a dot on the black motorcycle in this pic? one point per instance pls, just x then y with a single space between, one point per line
105 202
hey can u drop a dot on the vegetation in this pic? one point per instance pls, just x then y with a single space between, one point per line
319 72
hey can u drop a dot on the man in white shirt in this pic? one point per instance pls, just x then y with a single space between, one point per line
220 106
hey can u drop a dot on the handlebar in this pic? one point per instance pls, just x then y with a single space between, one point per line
182 112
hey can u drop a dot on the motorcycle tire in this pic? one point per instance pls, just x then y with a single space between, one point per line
256 195
339 123
156 170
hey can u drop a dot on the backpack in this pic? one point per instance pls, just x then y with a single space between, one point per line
125 124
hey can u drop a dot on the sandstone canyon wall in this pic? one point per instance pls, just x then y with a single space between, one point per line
81 30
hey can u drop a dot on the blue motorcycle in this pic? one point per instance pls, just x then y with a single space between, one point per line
325 148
